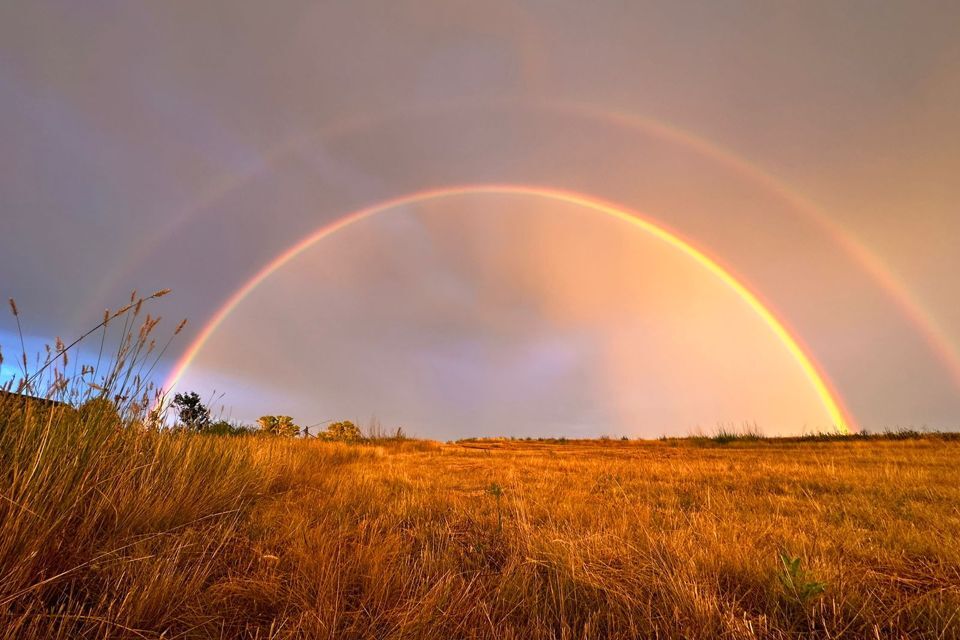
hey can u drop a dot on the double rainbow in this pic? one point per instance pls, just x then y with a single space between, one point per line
926 324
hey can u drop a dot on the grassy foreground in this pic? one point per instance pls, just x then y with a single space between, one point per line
119 532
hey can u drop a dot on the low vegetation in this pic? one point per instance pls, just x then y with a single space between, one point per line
111 526
117 532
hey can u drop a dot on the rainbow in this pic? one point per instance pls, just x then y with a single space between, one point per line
829 398
935 336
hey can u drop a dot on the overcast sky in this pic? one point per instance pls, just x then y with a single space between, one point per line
812 148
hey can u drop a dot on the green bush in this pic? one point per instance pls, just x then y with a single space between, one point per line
278 426
344 431
224 428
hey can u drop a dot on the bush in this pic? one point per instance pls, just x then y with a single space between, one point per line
344 431
224 428
278 426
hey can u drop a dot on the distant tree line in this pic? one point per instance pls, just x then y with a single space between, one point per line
193 415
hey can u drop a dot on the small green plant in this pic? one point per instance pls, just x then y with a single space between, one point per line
796 582
497 492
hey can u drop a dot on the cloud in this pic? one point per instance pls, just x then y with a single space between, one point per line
186 146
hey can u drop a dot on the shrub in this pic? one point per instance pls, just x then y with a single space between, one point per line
224 428
278 426
344 430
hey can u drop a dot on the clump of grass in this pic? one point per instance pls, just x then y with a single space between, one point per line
747 432
496 491
91 489
375 431
895 433
722 435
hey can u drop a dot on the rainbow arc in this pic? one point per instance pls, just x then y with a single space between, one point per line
828 396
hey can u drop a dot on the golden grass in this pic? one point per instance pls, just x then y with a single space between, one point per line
110 531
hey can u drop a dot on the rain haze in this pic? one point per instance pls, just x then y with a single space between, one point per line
499 218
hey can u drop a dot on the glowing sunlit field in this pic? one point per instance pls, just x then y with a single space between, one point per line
127 533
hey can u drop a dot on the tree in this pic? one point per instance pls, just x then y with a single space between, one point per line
344 430
191 412
278 426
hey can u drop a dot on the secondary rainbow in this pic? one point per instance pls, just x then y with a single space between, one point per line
830 399
936 337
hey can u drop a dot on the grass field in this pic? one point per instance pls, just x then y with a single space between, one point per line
109 531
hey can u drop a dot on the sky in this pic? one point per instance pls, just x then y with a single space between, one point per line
808 151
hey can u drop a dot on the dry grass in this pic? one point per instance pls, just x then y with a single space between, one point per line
111 529
120 532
